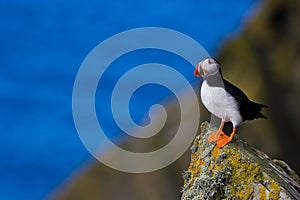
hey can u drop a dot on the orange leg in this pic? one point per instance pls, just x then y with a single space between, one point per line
224 139
215 136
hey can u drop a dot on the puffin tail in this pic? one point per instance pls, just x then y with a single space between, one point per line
257 108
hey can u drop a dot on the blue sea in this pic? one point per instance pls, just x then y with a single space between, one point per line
43 44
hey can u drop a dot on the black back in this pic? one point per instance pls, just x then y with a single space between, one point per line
249 110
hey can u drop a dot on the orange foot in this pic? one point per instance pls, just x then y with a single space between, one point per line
215 136
224 139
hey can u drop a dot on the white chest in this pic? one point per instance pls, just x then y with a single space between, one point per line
220 103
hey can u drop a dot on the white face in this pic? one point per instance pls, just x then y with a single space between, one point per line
207 67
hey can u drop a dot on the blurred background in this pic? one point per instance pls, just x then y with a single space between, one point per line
43 44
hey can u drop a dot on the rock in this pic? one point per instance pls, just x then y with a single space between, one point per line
237 171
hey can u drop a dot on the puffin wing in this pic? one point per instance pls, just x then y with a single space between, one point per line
236 92
249 110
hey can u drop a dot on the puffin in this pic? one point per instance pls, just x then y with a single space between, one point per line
225 101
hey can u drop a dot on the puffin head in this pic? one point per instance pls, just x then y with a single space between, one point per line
207 67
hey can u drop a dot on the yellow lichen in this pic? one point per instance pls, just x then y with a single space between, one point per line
262 192
195 167
214 166
215 152
243 174
275 190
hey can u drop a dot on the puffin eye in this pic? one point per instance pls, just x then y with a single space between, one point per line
212 61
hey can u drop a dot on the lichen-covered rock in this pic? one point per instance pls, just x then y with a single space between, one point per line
236 171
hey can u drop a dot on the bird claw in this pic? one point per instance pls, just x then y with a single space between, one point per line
223 140
215 136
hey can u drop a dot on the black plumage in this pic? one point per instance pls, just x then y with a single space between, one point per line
249 110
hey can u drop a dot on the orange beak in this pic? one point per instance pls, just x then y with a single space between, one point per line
196 72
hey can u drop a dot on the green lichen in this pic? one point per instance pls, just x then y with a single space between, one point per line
186 175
